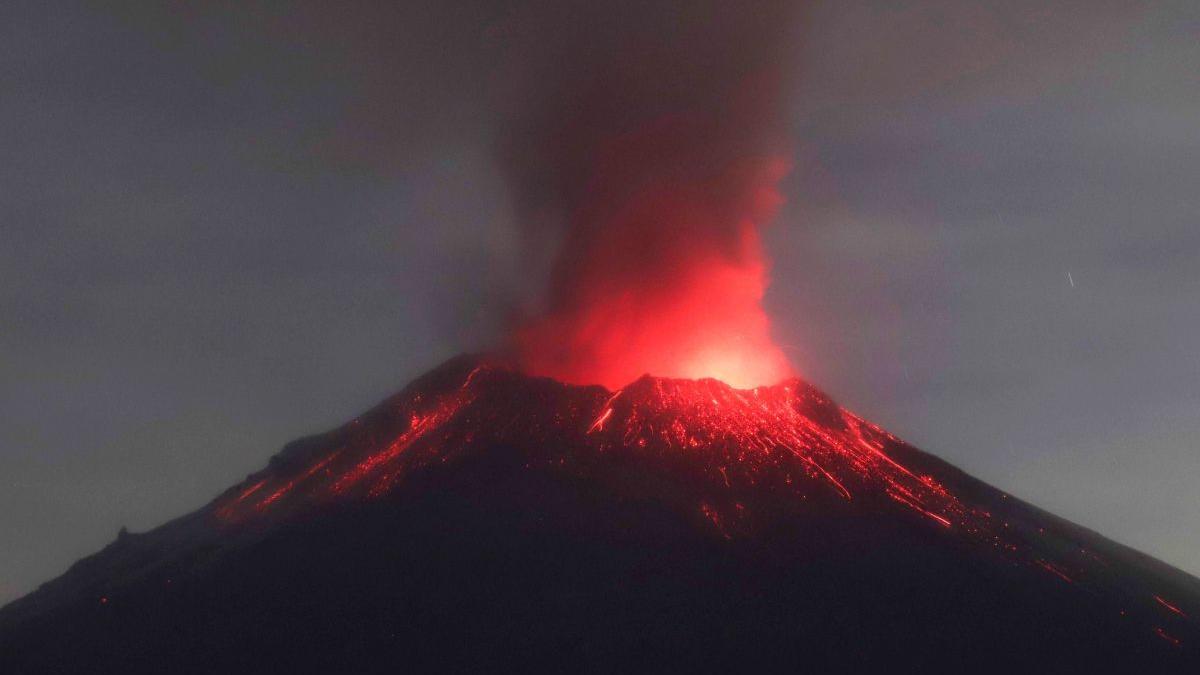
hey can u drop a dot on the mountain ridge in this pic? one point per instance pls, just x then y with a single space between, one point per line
781 478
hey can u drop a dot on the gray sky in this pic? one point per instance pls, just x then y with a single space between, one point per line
224 229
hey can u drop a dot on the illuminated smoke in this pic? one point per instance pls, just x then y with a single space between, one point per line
646 145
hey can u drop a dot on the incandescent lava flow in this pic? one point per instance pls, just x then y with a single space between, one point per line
744 462
670 524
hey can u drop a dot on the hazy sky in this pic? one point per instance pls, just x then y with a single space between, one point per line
222 229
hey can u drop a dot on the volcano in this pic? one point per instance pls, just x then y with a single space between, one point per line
484 519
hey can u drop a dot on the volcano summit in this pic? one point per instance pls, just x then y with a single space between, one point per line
483 519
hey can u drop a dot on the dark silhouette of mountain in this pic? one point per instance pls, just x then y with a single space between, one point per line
486 520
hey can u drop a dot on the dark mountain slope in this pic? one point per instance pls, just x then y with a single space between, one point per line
482 519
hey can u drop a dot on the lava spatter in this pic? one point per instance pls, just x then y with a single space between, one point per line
479 483
733 443
737 436
732 432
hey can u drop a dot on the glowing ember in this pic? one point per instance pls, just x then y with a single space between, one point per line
1169 606
1170 639
1055 570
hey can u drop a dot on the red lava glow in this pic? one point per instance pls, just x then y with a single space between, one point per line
712 514
731 446
741 436
1169 606
1055 570
662 272
1171 639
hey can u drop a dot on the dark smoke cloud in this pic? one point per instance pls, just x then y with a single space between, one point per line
642 142
580 76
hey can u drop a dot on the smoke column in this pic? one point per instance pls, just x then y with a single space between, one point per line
644 142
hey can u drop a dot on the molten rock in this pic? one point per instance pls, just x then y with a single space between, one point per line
484 519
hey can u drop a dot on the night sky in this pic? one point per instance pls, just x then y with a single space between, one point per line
225 228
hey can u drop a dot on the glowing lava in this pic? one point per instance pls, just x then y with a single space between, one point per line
743 455
734 438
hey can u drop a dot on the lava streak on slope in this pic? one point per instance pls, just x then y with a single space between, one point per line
684 506
739 437
733 439
736 450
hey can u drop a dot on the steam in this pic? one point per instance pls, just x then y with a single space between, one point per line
643 143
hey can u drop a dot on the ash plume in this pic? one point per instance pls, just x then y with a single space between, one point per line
642 143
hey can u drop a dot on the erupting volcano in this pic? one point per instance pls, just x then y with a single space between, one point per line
637 481
483 518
